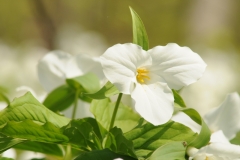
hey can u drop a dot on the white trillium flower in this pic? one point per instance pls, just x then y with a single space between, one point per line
150 75
55 67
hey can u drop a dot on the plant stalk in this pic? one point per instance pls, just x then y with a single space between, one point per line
75 104
115 111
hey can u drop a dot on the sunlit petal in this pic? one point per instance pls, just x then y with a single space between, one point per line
154 102
219 137
226 116
179 66
120 63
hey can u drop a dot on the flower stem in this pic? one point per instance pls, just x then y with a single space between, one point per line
115 111
75 104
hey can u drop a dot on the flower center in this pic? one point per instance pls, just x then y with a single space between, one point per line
142 74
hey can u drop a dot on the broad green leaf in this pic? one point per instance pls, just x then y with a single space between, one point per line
178 99
32 131
147 137
60 98
204 136
139 33
169 151
46 148
88 83
105 154
27 107
8 142
126 118
106 91
118 143
84 134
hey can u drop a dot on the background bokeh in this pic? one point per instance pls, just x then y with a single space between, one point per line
31 28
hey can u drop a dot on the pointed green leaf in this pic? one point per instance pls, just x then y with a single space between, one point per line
106 91
8 142
60 98
178 99
84 134
27 107
118 143
147 138
126 118
172 150
139 33
105 154
29 130
204 136
46 148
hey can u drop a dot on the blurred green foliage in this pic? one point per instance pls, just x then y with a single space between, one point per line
165 21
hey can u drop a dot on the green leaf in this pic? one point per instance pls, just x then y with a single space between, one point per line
4 98
178 99
46 148
172 150
147 137
84 134
139 33
106 91
105 154
204 136
8 142
88 83
118 143
236 139
60 98
126 118
27 107
29 130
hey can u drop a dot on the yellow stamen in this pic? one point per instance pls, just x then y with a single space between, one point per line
142 74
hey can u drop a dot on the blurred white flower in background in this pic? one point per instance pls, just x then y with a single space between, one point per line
224 123
55 67
221 77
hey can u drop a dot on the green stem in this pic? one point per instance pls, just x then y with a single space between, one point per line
75 104
68 154
115 111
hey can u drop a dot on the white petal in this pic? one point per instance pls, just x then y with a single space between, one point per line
120 63
184 119
225 117
222 150
219 137
52 69
154 102
179 66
